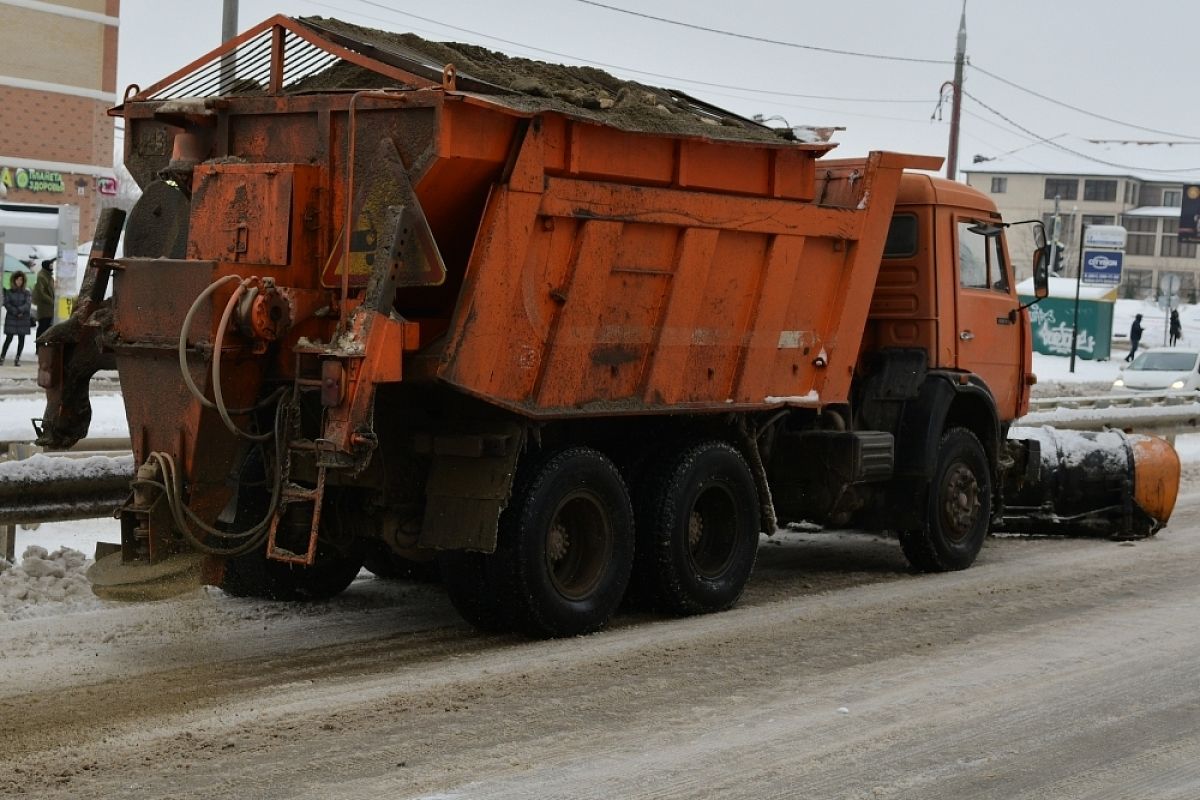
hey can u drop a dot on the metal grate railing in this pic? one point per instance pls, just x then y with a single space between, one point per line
246 71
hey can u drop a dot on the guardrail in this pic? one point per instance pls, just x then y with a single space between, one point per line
85 482
1165 414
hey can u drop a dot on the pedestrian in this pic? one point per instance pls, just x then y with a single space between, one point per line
43 296
1176 328
1135 336
18 320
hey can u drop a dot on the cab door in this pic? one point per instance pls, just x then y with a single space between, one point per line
988 335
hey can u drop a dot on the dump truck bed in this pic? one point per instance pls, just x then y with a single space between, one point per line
741 280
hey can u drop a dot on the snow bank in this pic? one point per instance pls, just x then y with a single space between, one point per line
45 583
39 467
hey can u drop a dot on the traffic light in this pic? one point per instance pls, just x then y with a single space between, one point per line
1058 265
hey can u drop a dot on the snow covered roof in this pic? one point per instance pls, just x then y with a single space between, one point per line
1153 211
1065 287
1141 162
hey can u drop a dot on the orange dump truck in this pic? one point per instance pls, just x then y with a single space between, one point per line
383 300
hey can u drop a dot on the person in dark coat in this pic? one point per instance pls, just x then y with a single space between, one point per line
18 316
1135 336
43 296
1176 328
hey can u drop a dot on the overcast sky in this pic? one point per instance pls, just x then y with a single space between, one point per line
1131 61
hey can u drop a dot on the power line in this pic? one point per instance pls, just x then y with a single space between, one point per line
880 56
762 39
1077 109
1064 148
671 78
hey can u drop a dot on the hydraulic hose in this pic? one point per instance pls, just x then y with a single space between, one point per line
185 518
186 329
218 397
219 403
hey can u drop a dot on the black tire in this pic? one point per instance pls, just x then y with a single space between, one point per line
566 542
959 510
385 563
255 575
698 527
473 591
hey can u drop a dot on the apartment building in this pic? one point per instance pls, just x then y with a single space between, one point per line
58 75
1146 203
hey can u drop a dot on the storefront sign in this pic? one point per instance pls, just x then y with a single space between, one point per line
106 186
32 180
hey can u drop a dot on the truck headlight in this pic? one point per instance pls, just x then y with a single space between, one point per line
1177 385
1118 383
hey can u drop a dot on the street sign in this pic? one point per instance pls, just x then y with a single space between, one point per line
1104 236
1102 267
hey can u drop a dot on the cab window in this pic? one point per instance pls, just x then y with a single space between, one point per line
902 237
980 260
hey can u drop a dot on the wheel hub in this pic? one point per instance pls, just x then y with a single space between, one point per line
695 529
961 505
557 542
579 544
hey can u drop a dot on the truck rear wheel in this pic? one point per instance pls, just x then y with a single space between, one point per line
255 575
959 510
698 529
473 591
565 549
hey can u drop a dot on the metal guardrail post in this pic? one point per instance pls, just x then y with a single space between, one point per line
8 533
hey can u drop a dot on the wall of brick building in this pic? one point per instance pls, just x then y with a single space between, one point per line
52 48
49 130
54 127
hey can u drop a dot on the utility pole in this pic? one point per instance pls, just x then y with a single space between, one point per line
229 20
229 26
960 57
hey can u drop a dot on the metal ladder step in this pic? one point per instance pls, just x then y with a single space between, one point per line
292 493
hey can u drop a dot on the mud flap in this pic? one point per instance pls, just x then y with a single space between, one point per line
469 485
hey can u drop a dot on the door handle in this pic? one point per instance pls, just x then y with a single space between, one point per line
966 336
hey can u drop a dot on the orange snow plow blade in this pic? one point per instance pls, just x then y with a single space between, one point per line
1088 483
1156 471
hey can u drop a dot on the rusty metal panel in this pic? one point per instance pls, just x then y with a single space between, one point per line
607 298
242 213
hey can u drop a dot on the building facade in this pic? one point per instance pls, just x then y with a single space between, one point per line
1147 206
58 75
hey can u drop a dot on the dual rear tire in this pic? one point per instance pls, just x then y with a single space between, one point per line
567 546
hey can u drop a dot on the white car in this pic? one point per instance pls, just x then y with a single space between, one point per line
1161 369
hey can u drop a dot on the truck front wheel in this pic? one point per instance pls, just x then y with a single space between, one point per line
959 509
565 545
698 529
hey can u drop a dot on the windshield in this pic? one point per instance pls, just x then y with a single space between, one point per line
1165 362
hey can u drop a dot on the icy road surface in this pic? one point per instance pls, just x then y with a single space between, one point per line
1053 669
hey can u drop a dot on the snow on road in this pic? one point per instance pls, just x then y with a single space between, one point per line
1055 379
108 416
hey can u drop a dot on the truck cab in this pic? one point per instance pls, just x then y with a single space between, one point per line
946 286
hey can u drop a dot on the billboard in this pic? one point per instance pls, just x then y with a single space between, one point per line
1189 214
1102 267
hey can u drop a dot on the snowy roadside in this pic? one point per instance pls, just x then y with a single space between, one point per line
108 416
49 594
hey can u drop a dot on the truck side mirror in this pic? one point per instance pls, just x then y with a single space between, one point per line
1041 272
